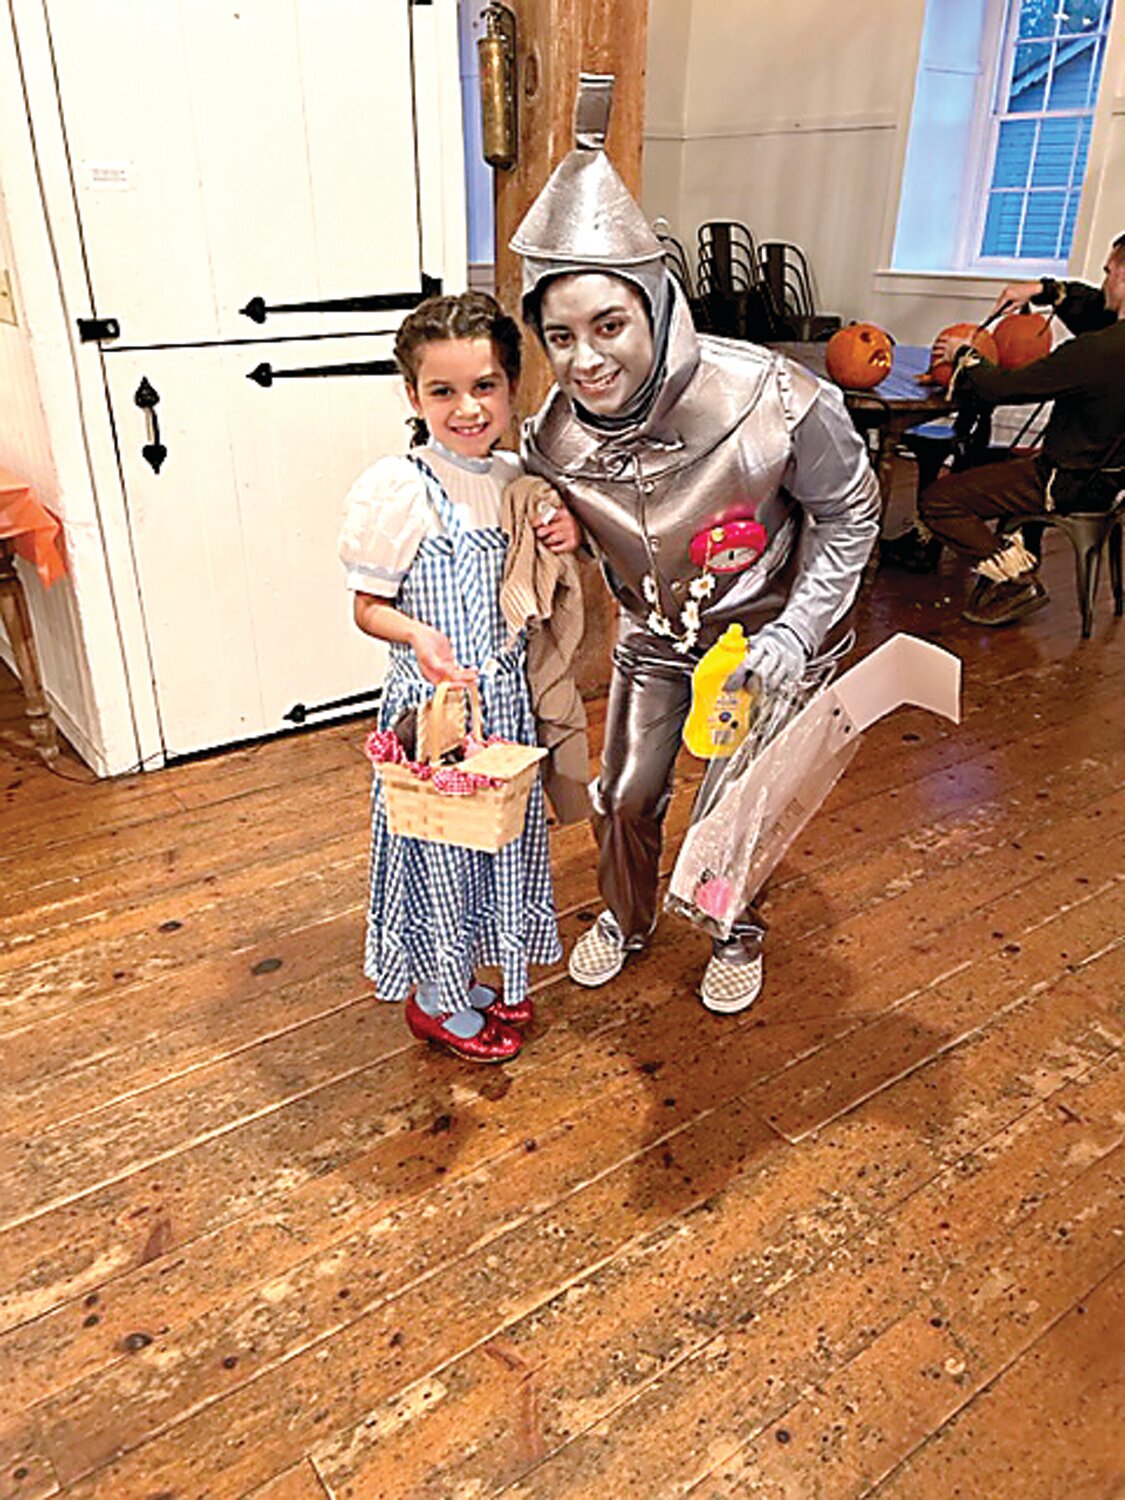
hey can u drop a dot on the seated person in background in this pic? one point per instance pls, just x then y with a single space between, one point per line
962 443
1082 463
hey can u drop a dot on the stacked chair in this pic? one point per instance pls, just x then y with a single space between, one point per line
743 290
785 272
733 297
675 258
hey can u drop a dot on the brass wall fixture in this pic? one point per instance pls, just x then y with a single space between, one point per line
496 51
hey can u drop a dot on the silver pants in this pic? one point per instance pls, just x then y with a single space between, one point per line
649 699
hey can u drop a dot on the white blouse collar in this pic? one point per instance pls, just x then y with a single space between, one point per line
472 465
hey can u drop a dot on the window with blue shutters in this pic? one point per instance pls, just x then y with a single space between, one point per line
1044 97
1004 104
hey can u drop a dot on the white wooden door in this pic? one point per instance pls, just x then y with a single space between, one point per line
229 149
232 155
235 537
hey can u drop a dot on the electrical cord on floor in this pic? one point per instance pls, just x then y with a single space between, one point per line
90 779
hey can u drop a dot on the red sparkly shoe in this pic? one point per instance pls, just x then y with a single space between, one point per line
521 1014
493 1043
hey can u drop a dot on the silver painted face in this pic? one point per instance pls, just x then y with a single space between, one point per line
598 339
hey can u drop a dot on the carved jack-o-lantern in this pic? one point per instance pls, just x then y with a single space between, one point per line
859 356
1022 338
964 333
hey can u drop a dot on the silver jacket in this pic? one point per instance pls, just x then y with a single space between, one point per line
735 432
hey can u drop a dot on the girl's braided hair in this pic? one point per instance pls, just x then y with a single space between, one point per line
464 315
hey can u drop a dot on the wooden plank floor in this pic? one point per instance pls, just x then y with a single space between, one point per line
865 1239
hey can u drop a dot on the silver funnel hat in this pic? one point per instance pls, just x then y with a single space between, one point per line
585 218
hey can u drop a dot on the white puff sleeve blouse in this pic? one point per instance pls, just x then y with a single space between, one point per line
388 514
386 518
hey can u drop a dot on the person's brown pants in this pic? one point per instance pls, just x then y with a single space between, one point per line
958 507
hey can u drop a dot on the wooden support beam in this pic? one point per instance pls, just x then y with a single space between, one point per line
555 41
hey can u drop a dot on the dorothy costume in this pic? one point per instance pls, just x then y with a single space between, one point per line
423 533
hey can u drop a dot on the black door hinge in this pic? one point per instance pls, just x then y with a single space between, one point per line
257 309
300 712
265 374
93 330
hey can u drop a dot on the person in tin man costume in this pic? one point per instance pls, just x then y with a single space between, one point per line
717 481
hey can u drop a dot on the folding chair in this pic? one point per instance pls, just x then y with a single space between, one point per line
1088 533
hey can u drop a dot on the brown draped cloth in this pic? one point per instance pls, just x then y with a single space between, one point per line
542 590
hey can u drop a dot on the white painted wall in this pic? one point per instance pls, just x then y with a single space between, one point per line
1102 215
42 438
669 40
794 120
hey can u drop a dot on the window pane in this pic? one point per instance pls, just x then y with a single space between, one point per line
1080 15
1054 156
1002 224
1037 17
1074 66
1042 225
1100 44
1030 68
1020 143
1013 153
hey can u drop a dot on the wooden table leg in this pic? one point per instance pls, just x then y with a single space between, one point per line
17 624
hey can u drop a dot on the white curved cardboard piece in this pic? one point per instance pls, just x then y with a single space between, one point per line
903 670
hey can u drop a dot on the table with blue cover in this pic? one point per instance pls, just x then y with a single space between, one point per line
891 409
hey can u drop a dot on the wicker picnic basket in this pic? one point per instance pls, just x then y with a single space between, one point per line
489 817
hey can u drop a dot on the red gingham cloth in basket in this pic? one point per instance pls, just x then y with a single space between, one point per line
383 745
451 781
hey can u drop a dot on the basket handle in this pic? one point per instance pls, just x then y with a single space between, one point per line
437 705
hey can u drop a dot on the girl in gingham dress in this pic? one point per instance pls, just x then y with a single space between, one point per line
424 553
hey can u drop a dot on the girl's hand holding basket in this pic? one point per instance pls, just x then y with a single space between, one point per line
436 660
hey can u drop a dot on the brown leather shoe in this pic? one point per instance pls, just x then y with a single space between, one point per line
992 603
912 552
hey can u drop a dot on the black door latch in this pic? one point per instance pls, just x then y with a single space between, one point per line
94 330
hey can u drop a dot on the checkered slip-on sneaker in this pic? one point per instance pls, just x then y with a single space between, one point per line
597 957
728 987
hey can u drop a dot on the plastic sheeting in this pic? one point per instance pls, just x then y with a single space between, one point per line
752 807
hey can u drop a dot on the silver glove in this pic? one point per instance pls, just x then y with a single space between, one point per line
775 656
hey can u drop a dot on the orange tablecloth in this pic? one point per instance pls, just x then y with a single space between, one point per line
30 527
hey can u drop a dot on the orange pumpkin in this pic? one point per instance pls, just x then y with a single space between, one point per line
1022 338
859 356
966 333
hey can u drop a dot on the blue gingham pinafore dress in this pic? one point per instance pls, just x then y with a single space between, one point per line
436 911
